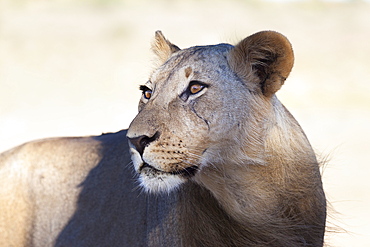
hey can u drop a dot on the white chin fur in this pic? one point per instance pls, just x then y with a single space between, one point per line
160 182
155 182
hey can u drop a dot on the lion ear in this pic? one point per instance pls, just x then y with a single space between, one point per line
263 61
162 47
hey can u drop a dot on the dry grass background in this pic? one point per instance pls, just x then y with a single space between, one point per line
73 68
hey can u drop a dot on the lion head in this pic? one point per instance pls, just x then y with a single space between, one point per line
207 106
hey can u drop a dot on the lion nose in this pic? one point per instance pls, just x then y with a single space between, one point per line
143 141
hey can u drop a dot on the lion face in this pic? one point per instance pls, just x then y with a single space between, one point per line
188 105
193 114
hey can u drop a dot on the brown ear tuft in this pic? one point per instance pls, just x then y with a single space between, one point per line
263 61
162 47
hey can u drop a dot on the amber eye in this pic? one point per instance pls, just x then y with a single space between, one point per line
147 92
196 87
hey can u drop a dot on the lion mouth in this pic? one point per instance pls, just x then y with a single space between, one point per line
186 172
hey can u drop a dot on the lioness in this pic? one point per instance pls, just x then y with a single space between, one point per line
224 163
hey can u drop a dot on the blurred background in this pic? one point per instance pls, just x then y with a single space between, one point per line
73 68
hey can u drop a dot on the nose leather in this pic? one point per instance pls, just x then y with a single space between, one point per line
143 141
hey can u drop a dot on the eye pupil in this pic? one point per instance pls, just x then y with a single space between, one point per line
195 88
147 94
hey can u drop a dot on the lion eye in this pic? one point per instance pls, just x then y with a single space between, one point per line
147 92
196 87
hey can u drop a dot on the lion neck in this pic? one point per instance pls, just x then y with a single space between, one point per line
265 192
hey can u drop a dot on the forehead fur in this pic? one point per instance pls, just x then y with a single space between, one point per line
203 63
262 61
207 55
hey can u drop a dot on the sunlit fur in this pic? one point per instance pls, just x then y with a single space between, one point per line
250 152
225 166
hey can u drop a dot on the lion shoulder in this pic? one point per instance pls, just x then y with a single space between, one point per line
45 179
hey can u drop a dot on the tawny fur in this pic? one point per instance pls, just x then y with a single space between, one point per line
236 167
